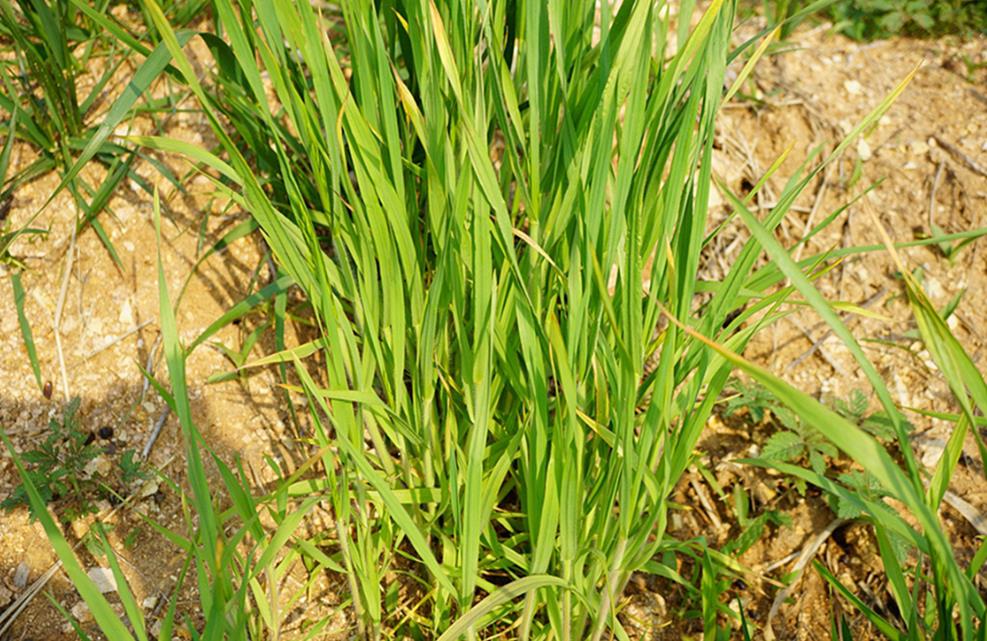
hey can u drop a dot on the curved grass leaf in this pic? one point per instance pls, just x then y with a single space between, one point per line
498 597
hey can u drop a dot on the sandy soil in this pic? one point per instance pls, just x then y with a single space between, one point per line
930 148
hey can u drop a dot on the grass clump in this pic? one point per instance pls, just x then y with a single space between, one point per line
472 211
491 210
53 44
47 49
496 212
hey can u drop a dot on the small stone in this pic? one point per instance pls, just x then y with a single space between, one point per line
863 149
21 575
764 493
901 390
149 489
852 87
126 316
80 526
69 325
932 451
81 612
934 288
95 325
104 579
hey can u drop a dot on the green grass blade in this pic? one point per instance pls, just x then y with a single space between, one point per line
133 611
8 145
501 595
25 325
399 513
240 309
209 528
149 70
879 622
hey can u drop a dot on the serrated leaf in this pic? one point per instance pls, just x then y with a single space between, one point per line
828 449
817 462
845 509
783 446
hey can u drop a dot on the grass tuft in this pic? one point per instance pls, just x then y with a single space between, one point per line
496 213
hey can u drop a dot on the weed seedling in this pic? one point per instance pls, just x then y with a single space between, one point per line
58 466
795 442
63 468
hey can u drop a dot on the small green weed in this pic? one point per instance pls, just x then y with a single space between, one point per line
132 469
876 19
62 468
58 465
752 527
794 440
873 19
798 443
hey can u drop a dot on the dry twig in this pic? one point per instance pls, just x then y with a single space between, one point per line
57 323
932 196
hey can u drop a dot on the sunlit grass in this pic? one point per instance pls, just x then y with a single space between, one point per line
497 212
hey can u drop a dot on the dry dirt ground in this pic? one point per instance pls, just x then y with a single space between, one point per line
930 150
